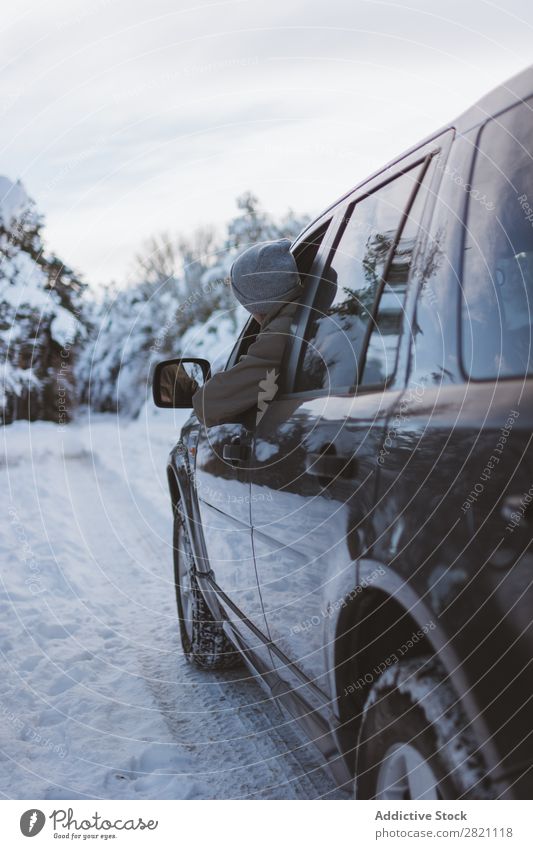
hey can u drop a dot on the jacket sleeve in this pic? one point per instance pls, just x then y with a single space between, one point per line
228 394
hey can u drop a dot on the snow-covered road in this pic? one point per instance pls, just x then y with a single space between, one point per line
96 699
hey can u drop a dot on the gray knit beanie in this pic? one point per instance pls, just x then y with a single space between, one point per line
264 275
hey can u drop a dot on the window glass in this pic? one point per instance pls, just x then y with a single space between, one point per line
498 258
380 360
342 310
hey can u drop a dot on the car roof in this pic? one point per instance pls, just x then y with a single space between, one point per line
516 89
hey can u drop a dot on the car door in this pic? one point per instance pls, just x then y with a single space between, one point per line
315 450
222 485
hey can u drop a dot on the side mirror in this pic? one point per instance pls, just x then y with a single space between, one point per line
175 382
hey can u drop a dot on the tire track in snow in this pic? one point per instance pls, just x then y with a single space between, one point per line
244 747
98 669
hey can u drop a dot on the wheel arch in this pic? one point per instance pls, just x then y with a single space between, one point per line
382 618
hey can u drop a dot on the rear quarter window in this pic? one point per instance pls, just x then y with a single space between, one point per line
497 279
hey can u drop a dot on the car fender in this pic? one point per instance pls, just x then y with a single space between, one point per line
182 489
373 575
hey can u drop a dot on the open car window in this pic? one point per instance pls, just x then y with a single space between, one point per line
247 335
304 254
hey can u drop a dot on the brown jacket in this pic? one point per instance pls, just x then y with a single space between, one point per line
252 382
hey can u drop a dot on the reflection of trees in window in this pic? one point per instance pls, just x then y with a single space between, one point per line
359 302
383 342
388 321
374 259
399 269
314 370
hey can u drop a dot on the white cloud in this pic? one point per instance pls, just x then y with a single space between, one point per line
126 117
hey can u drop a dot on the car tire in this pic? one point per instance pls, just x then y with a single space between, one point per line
414 741
203 639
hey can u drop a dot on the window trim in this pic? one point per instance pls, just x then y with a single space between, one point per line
343 391
291 357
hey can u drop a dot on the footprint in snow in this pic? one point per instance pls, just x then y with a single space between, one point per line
50 717
67 680
57 632
30 662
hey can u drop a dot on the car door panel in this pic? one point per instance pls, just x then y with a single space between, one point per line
311 529
223 490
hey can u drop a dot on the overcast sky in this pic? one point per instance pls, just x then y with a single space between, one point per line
123 118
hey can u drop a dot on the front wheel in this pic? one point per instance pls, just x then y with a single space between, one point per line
414 741
203 639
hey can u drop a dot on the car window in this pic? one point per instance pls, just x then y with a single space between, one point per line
342 311
308 267
245 339
381 354
307 250
304 254
498 251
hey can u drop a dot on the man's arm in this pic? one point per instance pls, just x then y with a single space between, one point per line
228 394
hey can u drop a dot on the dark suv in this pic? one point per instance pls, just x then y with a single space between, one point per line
366 547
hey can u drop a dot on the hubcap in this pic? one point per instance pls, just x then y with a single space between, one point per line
404 773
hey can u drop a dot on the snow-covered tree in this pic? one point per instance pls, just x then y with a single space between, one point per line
40 302
254 225
113 365
181 305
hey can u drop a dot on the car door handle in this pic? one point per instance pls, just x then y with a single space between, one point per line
235 453
330 466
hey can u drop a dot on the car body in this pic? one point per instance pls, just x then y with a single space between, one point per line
379 511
